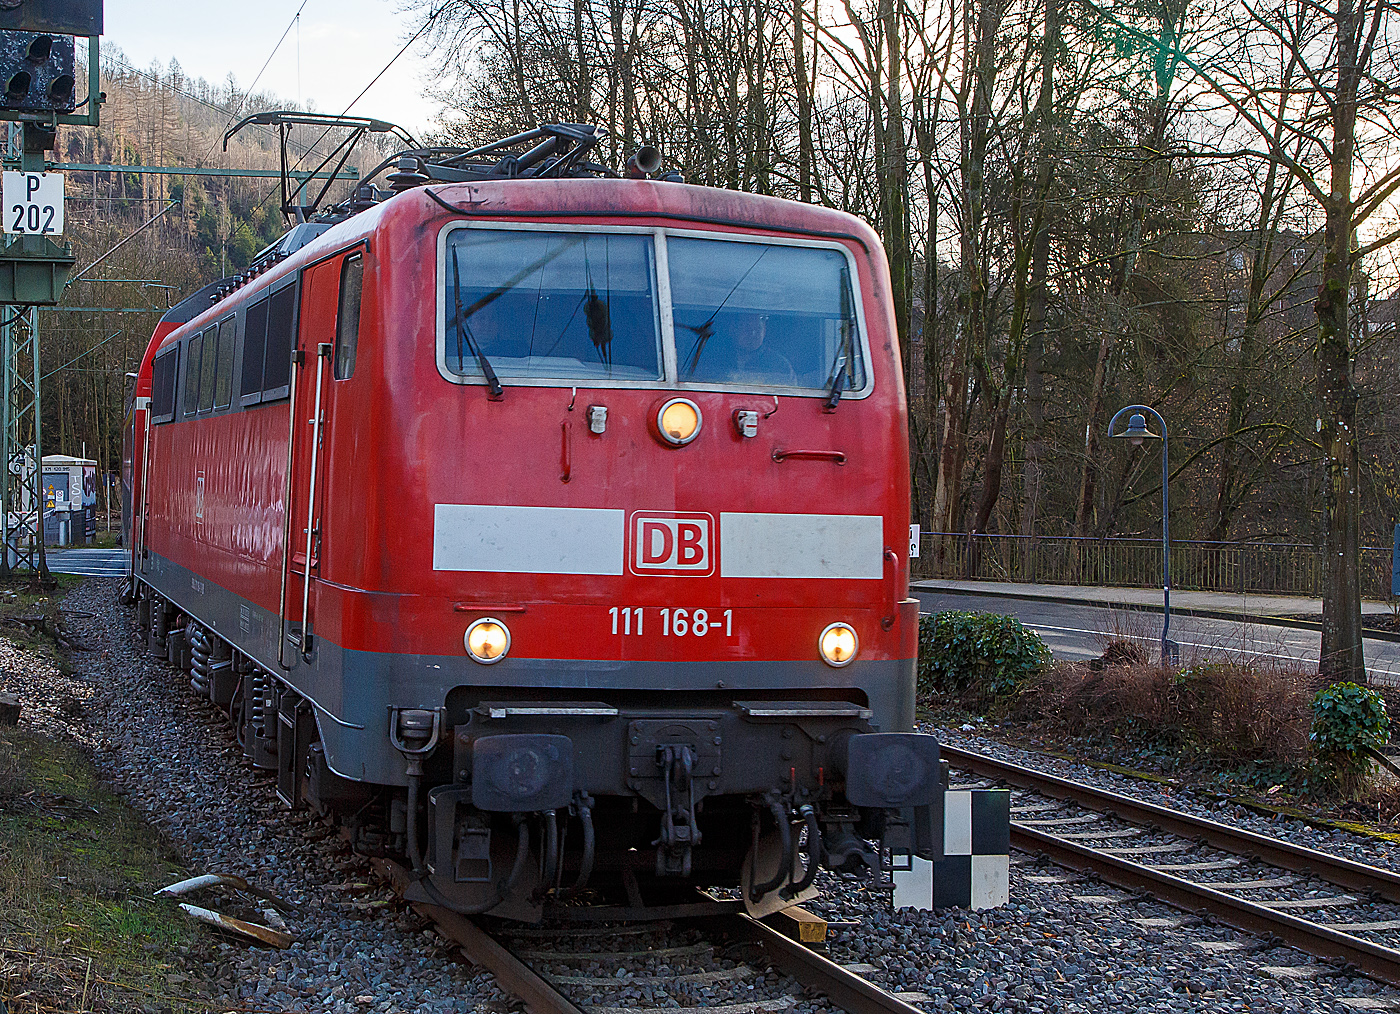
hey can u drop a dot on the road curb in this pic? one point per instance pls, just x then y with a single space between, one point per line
1210 614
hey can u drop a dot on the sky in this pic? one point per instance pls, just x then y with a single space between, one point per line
341 45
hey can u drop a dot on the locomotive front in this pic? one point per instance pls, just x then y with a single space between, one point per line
661 625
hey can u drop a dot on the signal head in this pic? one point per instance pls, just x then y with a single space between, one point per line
38 70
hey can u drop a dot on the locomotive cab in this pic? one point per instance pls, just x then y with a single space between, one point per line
555 531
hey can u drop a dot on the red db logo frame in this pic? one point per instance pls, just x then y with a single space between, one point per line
678 544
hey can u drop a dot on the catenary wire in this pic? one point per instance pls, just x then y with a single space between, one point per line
248 92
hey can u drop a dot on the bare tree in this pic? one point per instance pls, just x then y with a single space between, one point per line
1347 53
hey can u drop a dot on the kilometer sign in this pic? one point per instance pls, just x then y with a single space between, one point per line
33 203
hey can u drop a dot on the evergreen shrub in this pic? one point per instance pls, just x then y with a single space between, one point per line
983 652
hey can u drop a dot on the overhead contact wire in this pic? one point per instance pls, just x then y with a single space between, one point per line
248 92
373 81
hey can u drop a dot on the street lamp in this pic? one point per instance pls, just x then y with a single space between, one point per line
1135 434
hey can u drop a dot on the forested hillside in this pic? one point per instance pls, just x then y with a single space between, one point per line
212 226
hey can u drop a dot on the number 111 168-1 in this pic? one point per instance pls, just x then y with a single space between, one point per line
631 621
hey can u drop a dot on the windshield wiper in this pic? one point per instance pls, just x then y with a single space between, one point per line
840 366
465 335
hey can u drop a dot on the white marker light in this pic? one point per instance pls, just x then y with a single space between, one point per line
838 644
487 640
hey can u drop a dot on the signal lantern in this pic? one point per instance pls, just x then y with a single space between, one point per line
37 71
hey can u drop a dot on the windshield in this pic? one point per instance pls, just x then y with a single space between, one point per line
754 314
552 305
537 306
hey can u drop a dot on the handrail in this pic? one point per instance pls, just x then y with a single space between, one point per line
837 456
323 352
1197 565
138 541
298 359
1109 540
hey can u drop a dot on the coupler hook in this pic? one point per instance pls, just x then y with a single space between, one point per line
679 835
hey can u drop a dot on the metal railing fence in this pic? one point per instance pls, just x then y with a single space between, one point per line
1253 567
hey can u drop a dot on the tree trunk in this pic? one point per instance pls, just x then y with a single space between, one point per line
527 107
1342 656
1031 471
996 456
929 456
1084 511
805 154
1150 183
582 107
949 486
894 206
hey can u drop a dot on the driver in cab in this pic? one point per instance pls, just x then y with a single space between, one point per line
755 358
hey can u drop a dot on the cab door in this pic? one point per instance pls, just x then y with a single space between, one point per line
329 325
320 285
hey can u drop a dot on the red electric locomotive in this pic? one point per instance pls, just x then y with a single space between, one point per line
549 527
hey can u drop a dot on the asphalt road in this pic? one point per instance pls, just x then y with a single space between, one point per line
88 562
1079 632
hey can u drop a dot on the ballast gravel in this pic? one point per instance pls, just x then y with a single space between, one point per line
1359 848
1064 944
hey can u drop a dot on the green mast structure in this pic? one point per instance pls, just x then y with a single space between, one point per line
38 40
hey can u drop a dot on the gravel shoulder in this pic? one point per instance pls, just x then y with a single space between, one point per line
176 762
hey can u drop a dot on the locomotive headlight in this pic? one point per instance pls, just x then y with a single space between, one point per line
838 644
487 640
678 421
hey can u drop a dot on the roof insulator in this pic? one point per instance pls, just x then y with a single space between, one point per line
364 198
409 175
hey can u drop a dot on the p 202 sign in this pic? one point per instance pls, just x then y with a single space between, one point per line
33 203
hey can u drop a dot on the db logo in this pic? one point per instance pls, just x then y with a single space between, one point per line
670 543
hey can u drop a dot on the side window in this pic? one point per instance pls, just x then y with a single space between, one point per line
281 327
163 371
254 346
192 375
223 378
206 369
347 318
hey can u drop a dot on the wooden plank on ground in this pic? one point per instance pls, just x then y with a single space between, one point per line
799 924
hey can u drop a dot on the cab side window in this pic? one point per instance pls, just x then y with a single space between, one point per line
347 319
207 366
223 377
192 375
281 332
163 385
254 350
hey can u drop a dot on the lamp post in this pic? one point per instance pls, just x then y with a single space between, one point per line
1135 434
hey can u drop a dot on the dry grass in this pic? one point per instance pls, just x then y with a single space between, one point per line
1234 711
79 931
32 618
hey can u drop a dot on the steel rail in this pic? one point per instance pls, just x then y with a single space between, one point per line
1375 960
845 988
511 973
1344 873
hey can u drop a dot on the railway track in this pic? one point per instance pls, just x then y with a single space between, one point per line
544 973
1196 864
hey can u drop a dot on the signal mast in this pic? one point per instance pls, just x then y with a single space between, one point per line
38 71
